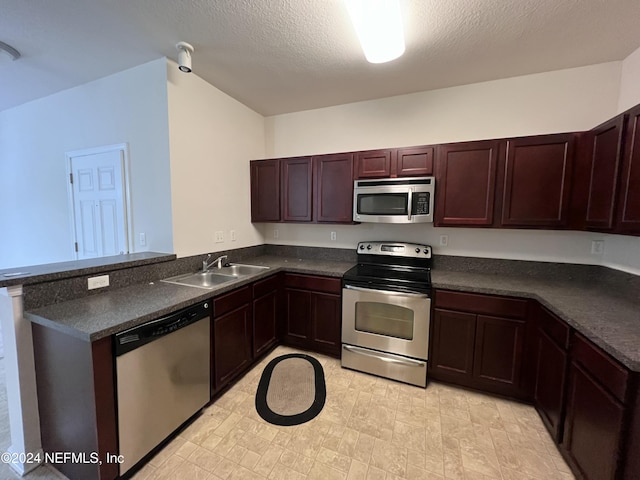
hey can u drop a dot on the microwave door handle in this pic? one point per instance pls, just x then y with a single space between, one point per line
410 201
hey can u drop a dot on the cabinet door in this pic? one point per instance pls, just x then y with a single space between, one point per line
537 181
298 316
605 152
550 382
452 343
333 186
264 322
232 344
465 183
326 322
593 427
498 350
629 202
414 162
296 189
265 191
373 164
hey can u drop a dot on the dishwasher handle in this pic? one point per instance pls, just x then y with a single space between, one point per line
140 335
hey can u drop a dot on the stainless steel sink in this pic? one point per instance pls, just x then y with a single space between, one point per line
216 276
241 270
208 280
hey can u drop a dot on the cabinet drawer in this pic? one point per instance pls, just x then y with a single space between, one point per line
230 301
316 284
481 304
601 366
262 287
555 328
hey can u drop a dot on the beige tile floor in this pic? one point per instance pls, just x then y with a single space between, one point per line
370 428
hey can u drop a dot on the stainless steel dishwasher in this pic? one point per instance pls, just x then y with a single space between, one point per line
163 378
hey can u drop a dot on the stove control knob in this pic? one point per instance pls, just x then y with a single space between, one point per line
369 247
426 250
417 250
361 247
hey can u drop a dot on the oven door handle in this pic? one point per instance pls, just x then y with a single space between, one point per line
387 292
380 356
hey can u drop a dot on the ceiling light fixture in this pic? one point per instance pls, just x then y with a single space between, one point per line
184 56
378 24
15 54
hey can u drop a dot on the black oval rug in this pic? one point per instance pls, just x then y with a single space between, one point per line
291 390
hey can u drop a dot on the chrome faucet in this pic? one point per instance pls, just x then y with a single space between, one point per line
221 260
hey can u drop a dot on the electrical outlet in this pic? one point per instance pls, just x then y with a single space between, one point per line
98 282
597 247
444 240
275 233
219 236
232 235
334 236
143 239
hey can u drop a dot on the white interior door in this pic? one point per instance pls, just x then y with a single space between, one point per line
99 209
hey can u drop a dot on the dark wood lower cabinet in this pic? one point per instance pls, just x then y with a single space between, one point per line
498 350
548 395
232 332
471 348
593 427
326 322
232 344
453 337
76 400
265 317
313 313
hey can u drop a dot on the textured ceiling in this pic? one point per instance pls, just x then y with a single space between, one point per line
281 56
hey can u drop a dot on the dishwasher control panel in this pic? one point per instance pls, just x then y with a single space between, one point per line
142 334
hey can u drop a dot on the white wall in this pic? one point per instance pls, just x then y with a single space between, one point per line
566 100
630 82
559 101
212 139
131 107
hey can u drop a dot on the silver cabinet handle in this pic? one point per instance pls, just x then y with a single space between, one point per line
407 361
386 292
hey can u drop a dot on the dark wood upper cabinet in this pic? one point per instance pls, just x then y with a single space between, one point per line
537 181
605 155
414 162
629 199
333 188
401 162
297 176
465 183
265 190
374 163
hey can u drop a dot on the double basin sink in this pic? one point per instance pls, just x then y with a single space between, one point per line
216 276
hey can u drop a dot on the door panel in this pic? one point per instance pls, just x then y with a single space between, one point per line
629 217
550 383
453 343
498 349
296 189
465 183
333 188
265 190
325 321
99 203
537 183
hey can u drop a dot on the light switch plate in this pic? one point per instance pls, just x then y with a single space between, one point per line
444 240
219 235
98 282
232 235
597 247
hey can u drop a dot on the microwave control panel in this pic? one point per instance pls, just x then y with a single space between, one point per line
420 202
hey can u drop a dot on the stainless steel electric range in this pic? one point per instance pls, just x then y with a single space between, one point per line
386 305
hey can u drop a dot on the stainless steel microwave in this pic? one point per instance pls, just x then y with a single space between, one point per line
394 200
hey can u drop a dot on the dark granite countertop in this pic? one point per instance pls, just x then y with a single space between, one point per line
96 316
606 314
56 271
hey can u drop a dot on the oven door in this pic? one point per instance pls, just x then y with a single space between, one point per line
392 322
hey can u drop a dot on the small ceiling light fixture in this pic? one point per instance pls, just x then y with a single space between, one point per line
15 54
378 24
184 56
